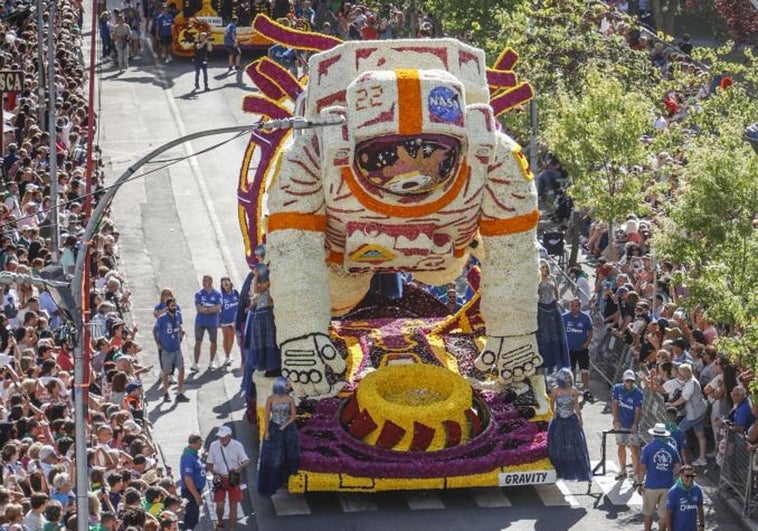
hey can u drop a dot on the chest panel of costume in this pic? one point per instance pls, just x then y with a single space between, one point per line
366 234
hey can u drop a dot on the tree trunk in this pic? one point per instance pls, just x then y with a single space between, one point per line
657 14
574 238
610 252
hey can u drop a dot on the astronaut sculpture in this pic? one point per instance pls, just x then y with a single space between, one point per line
417 178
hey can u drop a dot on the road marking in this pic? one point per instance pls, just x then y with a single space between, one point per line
489 497
619 492
557 495
424 500
205 196
356 503
287 504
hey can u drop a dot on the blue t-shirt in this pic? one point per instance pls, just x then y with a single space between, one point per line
577 329
628 401
167 330
230 35
229 303
207 298
742 415
659 458
677 439
683 504
164 24
191 465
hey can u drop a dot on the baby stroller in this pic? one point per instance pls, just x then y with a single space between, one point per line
555 244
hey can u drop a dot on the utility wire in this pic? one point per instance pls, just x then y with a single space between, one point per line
165 164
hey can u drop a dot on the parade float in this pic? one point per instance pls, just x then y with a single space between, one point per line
409 172
212 16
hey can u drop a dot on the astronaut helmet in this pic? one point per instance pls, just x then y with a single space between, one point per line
408 129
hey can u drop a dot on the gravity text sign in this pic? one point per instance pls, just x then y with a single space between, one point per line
11 81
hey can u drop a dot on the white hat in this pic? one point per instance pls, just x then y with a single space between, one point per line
629 375
659 430
131 426
46 451
224 431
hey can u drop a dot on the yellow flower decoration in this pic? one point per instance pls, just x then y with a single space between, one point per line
416 393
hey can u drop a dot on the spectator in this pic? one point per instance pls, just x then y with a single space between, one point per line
226 460
741 417
695 409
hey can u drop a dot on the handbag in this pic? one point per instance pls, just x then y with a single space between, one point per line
234 475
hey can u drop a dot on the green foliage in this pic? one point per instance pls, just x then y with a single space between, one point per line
710 226
459 18
596 136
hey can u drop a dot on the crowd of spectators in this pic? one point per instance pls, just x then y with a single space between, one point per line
642 301
37 429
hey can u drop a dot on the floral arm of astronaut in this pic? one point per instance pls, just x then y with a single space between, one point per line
509 267
299 275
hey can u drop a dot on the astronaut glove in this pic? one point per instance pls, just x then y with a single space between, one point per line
512 358
304 363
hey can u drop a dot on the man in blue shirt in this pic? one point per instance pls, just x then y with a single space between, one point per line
231 43
192 480
677 439
626 407
684 503
579 334
658 465
208 306
168 334
164 22
741 416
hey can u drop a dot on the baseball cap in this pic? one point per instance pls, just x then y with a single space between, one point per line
224 431
133 386
629 375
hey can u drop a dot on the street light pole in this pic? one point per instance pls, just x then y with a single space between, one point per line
40 63
51 127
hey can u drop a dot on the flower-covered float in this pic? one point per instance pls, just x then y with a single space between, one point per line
415 177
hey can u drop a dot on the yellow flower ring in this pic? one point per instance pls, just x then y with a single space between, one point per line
414 407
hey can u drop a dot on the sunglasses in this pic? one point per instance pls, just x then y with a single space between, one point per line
689 475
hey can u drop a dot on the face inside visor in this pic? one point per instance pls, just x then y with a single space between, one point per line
408 165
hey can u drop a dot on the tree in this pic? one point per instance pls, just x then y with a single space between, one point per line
596 137
710 227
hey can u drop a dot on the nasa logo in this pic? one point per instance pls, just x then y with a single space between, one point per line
445 106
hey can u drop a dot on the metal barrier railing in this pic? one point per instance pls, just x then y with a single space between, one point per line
609 355
653 411
737 476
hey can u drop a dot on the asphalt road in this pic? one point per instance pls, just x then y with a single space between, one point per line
179 222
